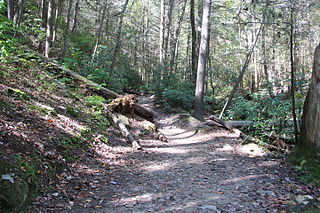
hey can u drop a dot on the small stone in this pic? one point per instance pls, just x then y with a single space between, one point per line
305 199
265 192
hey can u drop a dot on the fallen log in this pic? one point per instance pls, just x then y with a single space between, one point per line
123 129
221 122
104 92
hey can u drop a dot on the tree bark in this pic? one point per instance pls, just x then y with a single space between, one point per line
203 57
193 42
293 70
49 28
168 30
161 31
118 39
98 34
57 14
10 7
175 45
310 127
66 32
18 13
75 19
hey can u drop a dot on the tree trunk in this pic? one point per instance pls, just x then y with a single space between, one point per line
175 44
57 14
10 6
119 32
18 13
98 34
310 127
75 19
168 30
243 70
203 57
161 31
49 28
66 32
293 67
193 42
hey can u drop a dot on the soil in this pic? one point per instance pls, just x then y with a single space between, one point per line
195 171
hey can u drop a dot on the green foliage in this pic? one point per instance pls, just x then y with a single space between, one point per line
307 162
72 112
264 110
175 98
96 100
68 145
17 93
29 169
6 37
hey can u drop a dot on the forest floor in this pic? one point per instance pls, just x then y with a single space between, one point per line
195 171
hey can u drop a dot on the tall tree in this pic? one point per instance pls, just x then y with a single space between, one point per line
161 31
10 6
193 41
203 57
118 37
56 19
18 13
175 43
98 33
49 28
310 127
76 15
293 70
66 32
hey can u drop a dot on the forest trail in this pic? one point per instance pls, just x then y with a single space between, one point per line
193 172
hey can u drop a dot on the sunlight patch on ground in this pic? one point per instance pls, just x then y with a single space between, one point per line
252 150
225 148
146 197
172 150
158 167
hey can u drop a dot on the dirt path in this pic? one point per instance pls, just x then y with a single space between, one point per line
208 172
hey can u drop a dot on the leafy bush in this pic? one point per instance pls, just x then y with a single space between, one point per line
175 98
264 110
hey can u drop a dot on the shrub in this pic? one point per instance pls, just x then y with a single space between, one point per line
176 98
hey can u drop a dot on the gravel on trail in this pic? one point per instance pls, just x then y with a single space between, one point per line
193 172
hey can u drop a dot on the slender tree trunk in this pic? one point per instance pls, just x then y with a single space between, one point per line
168 30
310 127
56 19
243 70
66 32
119 32
193 41
98 34
293 69
161 33
203 57
44 12
75 19
49 28
10 6
18 13
175 44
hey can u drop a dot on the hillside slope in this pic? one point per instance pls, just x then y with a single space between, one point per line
48 123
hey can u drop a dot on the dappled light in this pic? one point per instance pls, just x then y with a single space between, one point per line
141 106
